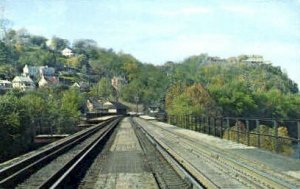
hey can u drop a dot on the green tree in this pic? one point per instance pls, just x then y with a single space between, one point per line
4 53
104 90
58 44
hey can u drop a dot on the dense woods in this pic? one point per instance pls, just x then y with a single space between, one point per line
231 88
199 85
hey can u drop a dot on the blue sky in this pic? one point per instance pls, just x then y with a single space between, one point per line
156 31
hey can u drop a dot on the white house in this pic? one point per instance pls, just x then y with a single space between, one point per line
5 85
23 83
67 52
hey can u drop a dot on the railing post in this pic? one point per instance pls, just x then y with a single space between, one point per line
238 130
298 127
197 123
189 122
201 124
276 136
208 124
258 132
215 126
228 127
221 128
248 132
181 121
194 123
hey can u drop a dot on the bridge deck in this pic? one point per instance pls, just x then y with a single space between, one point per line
282 168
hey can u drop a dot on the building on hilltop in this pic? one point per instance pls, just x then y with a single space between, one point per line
23 83
67 52
215 59
258 59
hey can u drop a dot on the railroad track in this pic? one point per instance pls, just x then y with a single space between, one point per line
162 166
142 158
54 167
168 171
216 165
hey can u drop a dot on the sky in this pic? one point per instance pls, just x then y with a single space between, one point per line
156 31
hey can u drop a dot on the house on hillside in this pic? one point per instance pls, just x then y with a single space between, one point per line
23 83
67 52
38 71
254 59
215 59
48 81
31 71
5 85
94 106
82 86
46 71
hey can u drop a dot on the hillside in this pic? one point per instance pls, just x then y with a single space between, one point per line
237 86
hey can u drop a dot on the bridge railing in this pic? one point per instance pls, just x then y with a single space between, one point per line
280 136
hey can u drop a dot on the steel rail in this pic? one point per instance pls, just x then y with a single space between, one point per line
248 171
58 179
170 156
18 172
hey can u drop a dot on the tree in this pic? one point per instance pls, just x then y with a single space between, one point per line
58 44
77 61
4 53
87 47
266 138
104 90
38 40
